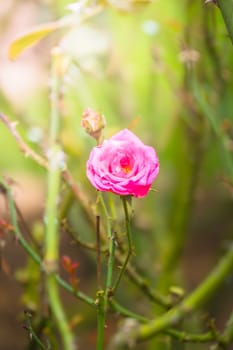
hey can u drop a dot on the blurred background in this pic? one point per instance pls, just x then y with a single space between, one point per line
162 69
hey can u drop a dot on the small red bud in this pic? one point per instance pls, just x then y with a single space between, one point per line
66 262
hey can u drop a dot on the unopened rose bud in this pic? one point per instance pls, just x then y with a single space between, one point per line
93 123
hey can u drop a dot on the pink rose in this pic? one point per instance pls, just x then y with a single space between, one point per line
123 165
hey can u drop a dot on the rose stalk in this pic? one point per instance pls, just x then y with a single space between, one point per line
125 166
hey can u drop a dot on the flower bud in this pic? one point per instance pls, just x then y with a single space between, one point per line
93 123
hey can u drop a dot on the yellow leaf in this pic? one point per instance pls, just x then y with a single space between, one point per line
31 37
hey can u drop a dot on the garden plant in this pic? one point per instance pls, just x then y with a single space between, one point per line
131 137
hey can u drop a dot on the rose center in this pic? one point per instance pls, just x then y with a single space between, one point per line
126 164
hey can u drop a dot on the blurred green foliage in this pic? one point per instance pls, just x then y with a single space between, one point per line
163 70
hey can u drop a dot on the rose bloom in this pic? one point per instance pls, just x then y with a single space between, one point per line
123 165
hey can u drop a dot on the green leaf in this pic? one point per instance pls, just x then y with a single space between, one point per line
31 37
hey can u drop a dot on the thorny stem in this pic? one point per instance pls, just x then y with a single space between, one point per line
130 245
89 246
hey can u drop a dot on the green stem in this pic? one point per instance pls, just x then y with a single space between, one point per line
51 214
80 295
110 268
55 164
98 253
196 299
103 296
111 249
182 336
58 312
130 245
226 7
190 338
101 315
14 220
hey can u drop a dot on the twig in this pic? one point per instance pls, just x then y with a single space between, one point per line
89 246
42 161
28 152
